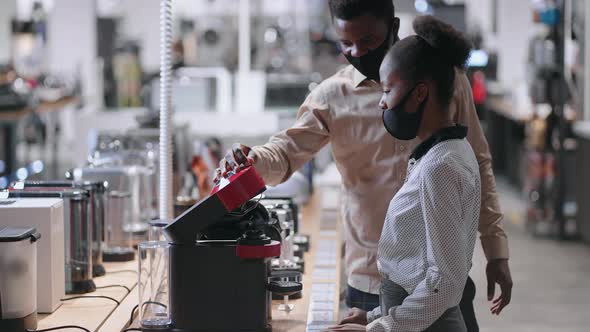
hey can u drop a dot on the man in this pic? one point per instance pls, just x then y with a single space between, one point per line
343 110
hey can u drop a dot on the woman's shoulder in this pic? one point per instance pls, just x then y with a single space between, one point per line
451 157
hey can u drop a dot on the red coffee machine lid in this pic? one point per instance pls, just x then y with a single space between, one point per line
229 194
239 188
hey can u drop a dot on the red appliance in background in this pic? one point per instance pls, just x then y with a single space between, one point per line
478 87
479 91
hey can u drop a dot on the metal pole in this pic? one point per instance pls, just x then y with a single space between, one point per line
244 37
165 200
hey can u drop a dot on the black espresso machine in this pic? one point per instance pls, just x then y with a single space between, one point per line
219 260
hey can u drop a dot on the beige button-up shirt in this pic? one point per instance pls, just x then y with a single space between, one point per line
343 110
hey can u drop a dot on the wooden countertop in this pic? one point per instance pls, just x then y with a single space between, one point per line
92 313
317 308
43 107
321 280
506 107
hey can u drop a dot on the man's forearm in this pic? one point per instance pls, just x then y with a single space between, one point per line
271 163
493 238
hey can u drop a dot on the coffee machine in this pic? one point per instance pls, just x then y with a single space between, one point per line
47 216
77 233
219 261
300 241
97 191
18 278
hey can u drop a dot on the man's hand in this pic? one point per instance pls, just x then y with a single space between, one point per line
498 271
355 316
346 328
239 156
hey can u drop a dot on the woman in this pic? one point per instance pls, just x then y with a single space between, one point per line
427 242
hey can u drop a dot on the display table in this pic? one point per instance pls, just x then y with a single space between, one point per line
317 308
91 313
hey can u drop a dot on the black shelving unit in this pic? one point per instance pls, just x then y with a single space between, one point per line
553 191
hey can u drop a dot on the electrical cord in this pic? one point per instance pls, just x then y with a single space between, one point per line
133 313
157 303
61 328
137 307
81 297
115 286
91 297
132 329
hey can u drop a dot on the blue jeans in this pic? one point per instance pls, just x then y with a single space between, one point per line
359 299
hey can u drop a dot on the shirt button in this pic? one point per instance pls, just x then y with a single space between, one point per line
403 148
435 290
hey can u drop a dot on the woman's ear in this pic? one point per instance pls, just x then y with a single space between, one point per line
422 89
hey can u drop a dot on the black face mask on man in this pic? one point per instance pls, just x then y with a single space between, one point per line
369 63
401 124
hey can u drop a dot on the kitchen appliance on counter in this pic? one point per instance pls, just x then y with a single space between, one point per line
287 267
47 216
157 230
146 138
77 231
18 278
286 275
290 265
288 212
119 235
301 242
288 257
140 146
143 162
135 180
286 203
219 257
97 191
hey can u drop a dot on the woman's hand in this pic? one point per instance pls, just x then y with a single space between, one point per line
355 316
346 328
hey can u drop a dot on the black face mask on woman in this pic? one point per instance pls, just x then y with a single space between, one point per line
369 63
402 124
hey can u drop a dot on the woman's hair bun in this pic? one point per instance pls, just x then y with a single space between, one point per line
448 42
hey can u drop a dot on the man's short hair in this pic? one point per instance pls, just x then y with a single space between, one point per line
349 9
